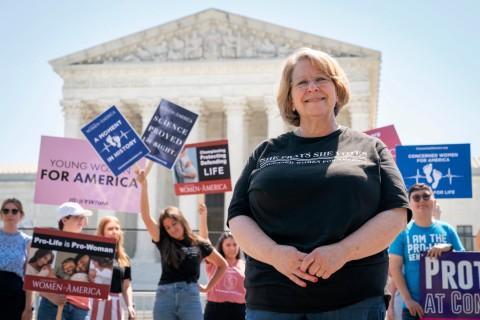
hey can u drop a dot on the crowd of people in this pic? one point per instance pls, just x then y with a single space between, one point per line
321 213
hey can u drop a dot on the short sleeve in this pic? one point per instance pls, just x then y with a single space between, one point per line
128 273
239 205
205 248
393 190
455 239
397 246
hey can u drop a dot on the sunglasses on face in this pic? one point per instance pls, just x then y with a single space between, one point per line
13 211
424 196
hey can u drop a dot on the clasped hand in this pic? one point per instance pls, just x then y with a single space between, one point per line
300 267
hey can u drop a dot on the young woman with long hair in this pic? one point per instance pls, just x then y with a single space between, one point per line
178 293
110 309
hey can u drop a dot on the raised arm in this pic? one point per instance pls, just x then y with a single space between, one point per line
258 245
203 215
152 226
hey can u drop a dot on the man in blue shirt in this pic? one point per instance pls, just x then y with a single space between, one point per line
422 234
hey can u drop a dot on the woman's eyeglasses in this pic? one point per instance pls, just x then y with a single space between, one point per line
305 83
13 211
424 196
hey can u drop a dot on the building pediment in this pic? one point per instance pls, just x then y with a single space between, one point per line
209 35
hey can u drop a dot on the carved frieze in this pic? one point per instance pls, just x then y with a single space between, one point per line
211 40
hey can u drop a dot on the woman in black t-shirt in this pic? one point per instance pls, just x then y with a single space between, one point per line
181 251
315 209
110 309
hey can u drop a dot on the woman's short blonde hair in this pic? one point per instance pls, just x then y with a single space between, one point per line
327 65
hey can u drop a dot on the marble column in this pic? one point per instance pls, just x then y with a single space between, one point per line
202 124
188 204
360 121
73 118
360 114
276 125
248 121
235 109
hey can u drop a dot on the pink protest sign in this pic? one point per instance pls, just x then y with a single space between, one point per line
70 170
388 135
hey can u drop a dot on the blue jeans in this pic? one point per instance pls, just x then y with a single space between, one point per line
368 309
48 311
178 300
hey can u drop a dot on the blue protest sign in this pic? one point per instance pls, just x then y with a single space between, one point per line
115 141
450 286
445 168
167 132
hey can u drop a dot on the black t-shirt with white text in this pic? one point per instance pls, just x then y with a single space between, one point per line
189 269
309 192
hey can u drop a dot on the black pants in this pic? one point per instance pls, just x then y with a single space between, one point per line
12 296
224 310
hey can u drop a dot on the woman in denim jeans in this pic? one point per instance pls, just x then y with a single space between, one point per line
178 294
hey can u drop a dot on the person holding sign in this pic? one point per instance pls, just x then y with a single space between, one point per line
15 303
226 300
181 251
316 208
71 218
423 234
110 309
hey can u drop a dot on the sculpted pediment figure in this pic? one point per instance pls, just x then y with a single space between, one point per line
209 35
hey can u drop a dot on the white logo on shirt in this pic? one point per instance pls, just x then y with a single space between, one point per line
319 157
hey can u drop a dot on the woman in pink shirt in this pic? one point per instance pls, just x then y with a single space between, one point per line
226 300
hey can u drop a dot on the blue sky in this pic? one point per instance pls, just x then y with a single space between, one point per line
430 60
